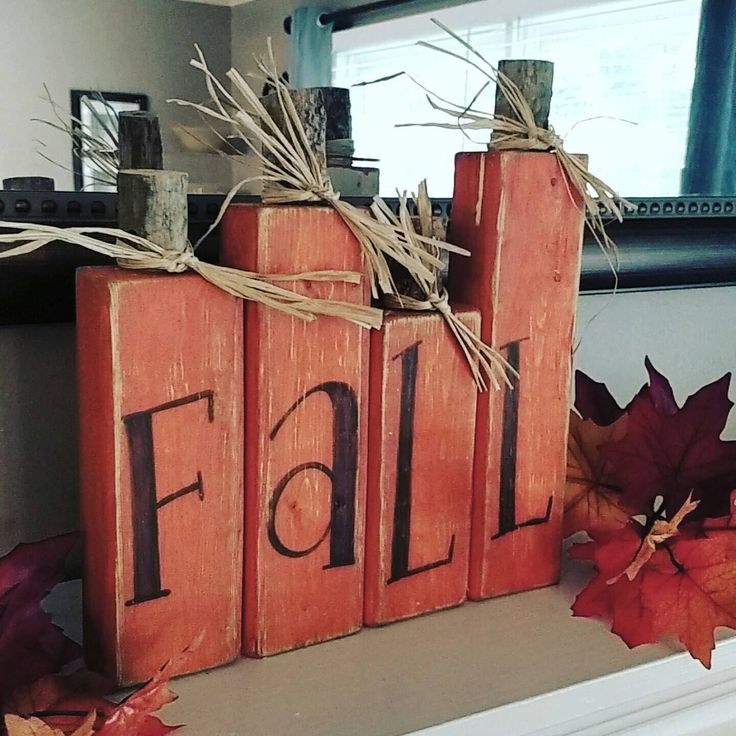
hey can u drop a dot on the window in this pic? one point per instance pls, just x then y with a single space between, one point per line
631 60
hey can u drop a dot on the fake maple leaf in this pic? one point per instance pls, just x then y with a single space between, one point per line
31 646
133 717
65 704
684 586
671 451
594 401
63 700
592 492
17 726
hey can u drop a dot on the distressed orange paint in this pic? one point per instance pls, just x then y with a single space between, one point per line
161 431
515 213
421 431
306 434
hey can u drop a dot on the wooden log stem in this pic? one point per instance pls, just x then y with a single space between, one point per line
324 113
534 80
139 140
153 204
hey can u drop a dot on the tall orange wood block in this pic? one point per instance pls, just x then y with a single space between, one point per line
160 363
420 467
515 213
306 423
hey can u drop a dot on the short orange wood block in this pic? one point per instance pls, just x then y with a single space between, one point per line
160 365
515 213
306 434
420 467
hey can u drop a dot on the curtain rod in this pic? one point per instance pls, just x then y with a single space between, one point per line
344 19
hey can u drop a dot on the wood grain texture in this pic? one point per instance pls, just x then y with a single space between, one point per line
306 435
533 78
161 432
153 204
420 467
525 233
139 137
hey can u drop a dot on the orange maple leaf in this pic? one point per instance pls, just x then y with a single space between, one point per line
592 494
133 716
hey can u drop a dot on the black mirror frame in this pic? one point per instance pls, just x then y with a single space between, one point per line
667 243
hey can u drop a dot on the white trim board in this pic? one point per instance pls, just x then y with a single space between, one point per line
521 663
668 697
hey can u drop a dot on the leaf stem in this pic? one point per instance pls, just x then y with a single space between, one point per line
678 565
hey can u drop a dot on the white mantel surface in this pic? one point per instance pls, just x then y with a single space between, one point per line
514 666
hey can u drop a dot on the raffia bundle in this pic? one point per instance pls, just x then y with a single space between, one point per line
486 364
523 134
291 173
133 252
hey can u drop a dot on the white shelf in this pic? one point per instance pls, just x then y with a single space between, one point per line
522 664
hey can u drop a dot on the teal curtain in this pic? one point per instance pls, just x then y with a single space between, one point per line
311 49
710 160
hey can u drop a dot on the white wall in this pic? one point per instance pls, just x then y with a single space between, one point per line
111 45
38 433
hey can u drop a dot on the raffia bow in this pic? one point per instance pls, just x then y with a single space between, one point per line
486 364
523 134
136 253
292 174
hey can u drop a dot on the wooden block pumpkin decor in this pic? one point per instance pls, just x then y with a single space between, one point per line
517 215
421 431
160 365
305 430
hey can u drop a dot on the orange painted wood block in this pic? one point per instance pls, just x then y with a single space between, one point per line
160 365
515 213
306 434
420 467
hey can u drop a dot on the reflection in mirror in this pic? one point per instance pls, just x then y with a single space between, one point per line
130 46
95 126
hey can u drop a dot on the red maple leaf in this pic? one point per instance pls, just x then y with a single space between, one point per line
684 589
593 400
31 646
133 717
671 452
